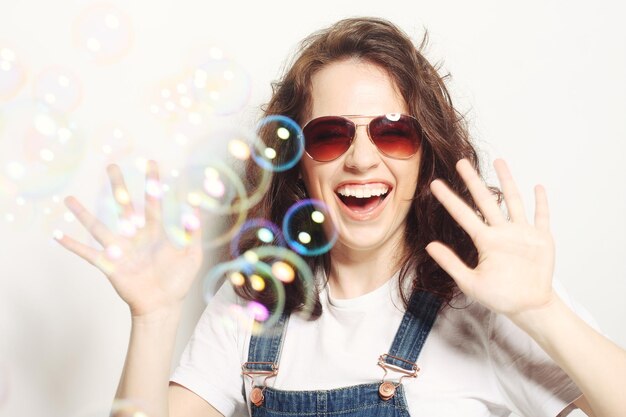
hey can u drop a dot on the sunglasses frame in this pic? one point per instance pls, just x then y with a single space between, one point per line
349 118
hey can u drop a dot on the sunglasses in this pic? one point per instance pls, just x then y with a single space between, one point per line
395 135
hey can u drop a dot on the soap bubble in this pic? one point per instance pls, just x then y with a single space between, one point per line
280 145
114 142
12 72
111 202
103 32
212 180
172 100
263 273
181 219
219 83
308 228
285 265
258 275
58 220
16 213
40 150
59 88
256 232
191 126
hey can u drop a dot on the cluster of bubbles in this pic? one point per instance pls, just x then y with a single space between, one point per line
41 149
274 261
41 145
211 86
212 187
211 180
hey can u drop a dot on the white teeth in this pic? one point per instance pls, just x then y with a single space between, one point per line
363 191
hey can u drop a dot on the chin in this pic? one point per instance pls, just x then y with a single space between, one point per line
367 239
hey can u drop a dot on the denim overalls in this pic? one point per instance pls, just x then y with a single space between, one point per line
382 399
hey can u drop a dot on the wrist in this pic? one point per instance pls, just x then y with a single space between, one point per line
541 320
159 316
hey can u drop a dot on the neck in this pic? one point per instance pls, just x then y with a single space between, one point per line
357 272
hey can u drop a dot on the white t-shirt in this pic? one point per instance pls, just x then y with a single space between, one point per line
474 362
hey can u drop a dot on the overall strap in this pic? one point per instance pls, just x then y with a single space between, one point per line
265 348
411 335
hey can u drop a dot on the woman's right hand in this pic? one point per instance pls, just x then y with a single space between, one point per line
147 270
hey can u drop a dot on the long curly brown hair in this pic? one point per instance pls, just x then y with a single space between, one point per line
446 140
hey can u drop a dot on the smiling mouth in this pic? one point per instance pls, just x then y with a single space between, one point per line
362 198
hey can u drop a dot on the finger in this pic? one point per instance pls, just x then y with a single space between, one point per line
512 197
480 193
153 192
458 209
95 227
451 263
120 191
192 225
542 215
89 254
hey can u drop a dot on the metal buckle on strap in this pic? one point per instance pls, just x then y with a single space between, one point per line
252 372
387 389
256 394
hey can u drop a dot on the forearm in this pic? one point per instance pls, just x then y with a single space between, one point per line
145 377
595 364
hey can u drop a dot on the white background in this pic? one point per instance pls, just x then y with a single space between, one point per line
543 84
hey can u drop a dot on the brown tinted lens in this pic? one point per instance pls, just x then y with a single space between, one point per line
399 138
326 138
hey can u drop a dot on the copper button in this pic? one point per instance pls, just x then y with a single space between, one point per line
386 390
256 396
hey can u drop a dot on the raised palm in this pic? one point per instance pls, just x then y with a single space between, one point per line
515 257
146 269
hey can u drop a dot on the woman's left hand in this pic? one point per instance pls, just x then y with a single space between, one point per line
515 257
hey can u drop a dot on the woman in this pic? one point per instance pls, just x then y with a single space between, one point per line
419 234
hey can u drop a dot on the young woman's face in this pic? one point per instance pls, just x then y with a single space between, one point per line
353 87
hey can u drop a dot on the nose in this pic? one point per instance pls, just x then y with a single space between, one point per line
362 154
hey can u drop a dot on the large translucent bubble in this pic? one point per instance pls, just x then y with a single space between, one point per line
213 180
57 220
40 149
113 142
246 270
172 101
60 88
16 213
280 143
308 228
218 82
259 271
103 32
209 184
286 266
